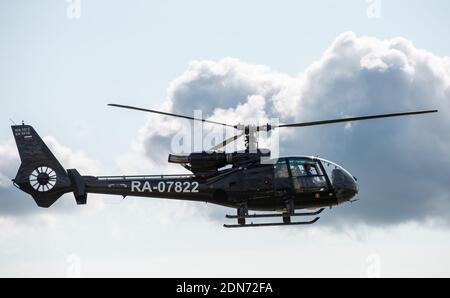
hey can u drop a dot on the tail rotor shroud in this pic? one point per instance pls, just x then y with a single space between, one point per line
43 179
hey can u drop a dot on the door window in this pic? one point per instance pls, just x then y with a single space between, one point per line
307 175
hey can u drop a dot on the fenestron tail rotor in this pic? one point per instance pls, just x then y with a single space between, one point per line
250 131
43 179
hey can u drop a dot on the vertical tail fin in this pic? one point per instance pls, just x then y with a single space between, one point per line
40 173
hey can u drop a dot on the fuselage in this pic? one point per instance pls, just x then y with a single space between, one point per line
310 182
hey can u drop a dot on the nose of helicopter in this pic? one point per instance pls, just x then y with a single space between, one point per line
344 185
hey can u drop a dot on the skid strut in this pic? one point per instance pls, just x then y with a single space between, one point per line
242 213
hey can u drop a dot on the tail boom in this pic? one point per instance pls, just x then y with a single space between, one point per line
44 178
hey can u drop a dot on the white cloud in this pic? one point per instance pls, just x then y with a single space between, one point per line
9 163
403 164
72 159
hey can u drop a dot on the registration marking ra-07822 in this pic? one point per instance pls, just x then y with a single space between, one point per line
165 186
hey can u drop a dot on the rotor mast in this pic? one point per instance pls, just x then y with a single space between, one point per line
250 137
250 133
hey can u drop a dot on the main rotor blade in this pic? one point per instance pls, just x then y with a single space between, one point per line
226 142
355 119
168 114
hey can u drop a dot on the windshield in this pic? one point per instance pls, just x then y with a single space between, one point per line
342 181
329 166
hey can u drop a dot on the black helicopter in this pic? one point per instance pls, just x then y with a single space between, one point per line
245 180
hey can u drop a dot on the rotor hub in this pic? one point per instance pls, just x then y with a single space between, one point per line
43 179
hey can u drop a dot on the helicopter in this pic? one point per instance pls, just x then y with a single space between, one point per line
247 180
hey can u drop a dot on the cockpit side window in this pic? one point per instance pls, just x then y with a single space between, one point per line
307 175
301 167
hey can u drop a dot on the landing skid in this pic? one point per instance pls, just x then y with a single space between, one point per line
286 219
275 214
272 224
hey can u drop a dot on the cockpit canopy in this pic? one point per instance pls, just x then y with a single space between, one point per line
311 174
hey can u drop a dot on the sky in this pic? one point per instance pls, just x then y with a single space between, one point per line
61 62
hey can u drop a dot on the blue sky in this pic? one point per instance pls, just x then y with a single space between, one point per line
58 74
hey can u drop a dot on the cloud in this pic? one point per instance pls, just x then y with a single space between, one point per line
9 162
13 202
402 164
